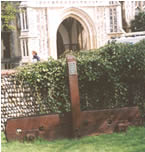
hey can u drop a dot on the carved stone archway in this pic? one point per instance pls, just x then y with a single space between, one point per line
84 19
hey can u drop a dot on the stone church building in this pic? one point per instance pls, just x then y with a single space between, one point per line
54 26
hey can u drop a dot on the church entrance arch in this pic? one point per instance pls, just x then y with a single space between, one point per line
75 31
71 36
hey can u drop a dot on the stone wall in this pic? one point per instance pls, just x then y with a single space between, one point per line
17 100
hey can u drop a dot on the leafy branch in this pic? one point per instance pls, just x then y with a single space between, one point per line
8 14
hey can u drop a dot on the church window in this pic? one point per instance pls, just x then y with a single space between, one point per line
139 3
113 20
24 44
24 21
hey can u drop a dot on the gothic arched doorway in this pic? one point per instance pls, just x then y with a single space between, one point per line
71 36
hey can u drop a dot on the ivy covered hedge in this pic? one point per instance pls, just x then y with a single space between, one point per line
49 83
113 76
110 77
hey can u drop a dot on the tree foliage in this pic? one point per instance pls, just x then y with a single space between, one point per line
8 14
138 24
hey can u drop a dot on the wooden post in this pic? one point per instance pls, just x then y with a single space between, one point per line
74 93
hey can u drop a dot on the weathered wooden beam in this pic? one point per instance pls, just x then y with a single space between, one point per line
74 94
50 127
57 126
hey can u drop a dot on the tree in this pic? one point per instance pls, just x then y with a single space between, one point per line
138 24
8 15
9 10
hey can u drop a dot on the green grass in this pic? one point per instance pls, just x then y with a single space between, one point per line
131 141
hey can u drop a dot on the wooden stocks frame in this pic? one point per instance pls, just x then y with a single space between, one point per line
75 123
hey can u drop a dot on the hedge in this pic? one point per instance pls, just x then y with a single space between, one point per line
49 83
110 77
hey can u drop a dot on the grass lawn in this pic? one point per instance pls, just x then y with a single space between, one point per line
131 141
